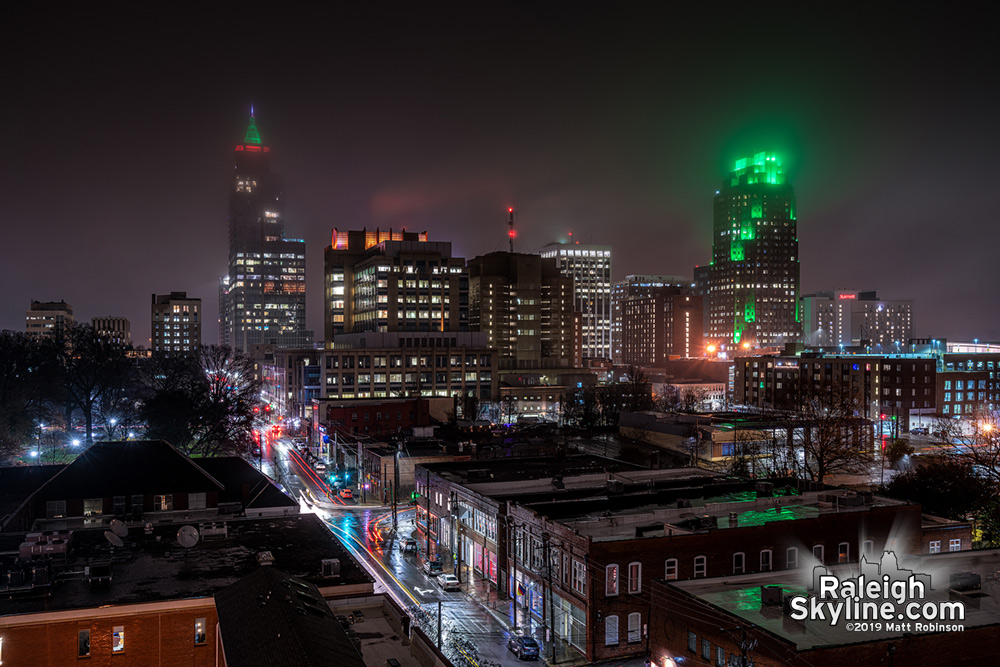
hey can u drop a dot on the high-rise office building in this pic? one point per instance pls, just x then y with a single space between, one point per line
755 257
664 323
175 322
856 318
47 318
262 299
116 329
391 281
633 286
590 268
524 303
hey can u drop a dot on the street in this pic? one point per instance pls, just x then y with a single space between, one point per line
474 627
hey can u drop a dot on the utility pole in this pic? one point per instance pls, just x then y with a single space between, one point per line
427 490
453 502
745 645
395 491
512 541
552 621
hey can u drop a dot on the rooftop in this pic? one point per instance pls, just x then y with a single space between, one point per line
741 596
495 475
154 567
271 619
697 505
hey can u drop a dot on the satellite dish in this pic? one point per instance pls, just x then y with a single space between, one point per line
113 539
187 536
119 528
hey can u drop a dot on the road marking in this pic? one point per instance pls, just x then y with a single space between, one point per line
423 591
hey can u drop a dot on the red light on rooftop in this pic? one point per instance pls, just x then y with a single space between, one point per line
512 233
510 210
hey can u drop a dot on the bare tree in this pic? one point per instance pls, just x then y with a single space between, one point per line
980 447
90 365
26 376
668 401
209 405
751 454
638 394
830 436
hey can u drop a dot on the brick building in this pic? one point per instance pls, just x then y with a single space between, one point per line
92 564
717 621
578 545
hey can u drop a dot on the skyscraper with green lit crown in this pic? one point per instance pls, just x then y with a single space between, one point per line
262 298
755 257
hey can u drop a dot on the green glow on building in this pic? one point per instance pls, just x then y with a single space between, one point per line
757 211
763 167
760 517
749 312
749 599
736 252
747 232
253 134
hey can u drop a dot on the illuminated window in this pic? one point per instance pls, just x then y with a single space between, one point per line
611 580
118 639
200 636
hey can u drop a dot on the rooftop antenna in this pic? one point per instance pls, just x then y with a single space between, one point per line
510 227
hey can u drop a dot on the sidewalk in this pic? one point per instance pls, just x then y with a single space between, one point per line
485 593
501 608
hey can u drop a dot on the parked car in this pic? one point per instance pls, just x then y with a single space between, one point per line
346 493
433 568
449 582
524 647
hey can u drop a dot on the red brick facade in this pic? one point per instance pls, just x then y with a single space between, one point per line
154 635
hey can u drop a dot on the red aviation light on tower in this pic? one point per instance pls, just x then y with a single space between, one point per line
510 227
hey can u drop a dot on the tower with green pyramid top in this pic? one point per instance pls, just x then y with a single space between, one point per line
262 297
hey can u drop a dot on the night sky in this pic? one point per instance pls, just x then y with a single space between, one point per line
616 121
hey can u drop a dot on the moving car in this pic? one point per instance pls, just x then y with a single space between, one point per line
524 647
408 546
346 493
433 568
449 582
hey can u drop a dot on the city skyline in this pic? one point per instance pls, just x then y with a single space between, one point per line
607 123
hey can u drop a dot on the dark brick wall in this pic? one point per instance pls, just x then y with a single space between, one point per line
153 639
